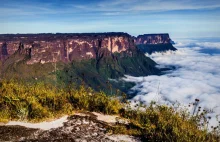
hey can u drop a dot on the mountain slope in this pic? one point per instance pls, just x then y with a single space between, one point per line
97 75
62 59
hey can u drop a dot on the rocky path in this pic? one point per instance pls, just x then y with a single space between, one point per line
76 129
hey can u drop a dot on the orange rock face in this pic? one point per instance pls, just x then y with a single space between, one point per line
46 48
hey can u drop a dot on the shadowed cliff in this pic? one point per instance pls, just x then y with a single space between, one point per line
150 43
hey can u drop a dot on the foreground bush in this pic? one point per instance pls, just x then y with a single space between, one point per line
40 101
36 102
165 123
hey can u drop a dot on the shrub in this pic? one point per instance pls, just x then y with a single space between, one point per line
40 101
35 102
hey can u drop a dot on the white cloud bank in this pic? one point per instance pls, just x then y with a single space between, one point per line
197 76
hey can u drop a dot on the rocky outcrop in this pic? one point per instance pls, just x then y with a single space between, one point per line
153 39
46 48
150 43
78 128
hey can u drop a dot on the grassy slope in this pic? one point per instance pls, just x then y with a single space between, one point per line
15 67
87 72
40 101
96 76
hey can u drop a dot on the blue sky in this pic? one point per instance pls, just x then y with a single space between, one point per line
182 19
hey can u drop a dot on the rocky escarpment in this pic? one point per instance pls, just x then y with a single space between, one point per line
153 39
46 48
90 58
150 43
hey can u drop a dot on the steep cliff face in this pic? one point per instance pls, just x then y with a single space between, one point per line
90 59
153 39
46 48
150 43
3 51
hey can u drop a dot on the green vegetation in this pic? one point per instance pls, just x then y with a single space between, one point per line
94 73
167 123
97 74
16 67
40 101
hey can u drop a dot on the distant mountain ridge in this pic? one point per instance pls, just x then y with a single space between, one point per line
150 43
90 58
153 39
67 47
46 48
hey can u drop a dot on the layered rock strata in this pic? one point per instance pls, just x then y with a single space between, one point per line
46 48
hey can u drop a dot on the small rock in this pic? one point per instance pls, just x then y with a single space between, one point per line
94 134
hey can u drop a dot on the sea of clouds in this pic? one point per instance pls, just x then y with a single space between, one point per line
197 76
